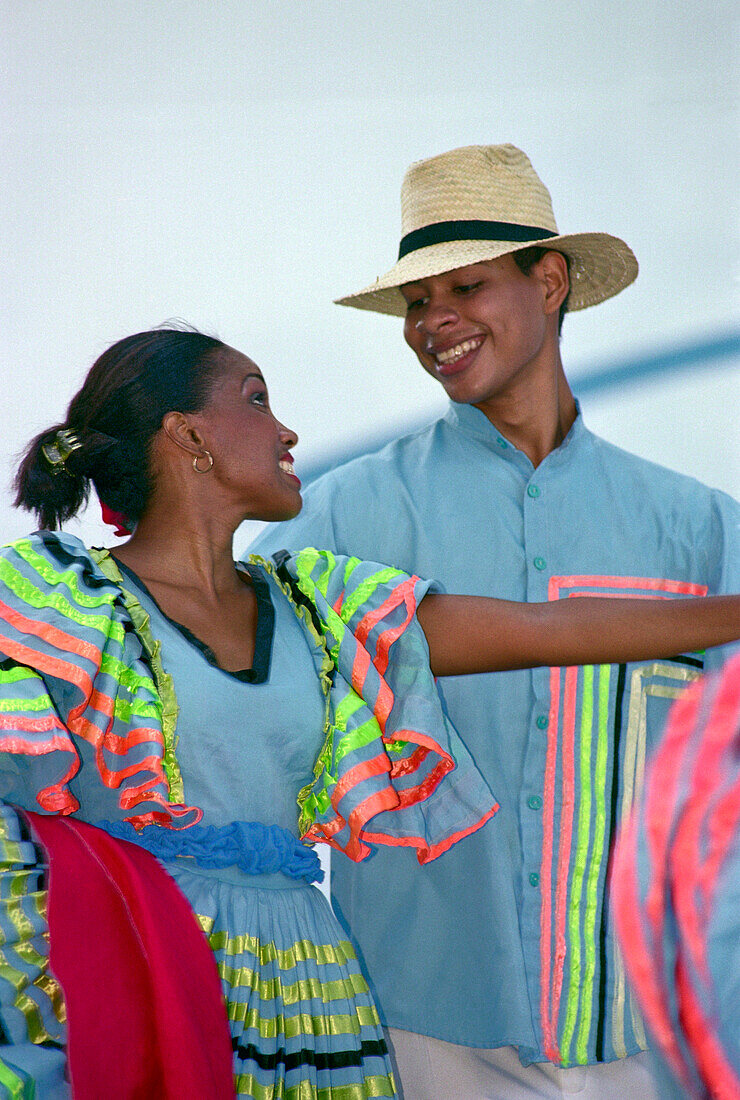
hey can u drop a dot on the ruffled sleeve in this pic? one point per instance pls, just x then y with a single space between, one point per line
78 689
392 770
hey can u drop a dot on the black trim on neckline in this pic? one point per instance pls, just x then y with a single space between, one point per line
442 232
264 633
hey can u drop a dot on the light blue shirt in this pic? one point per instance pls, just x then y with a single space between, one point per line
506 938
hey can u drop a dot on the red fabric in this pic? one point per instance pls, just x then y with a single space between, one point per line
115 519
145 1012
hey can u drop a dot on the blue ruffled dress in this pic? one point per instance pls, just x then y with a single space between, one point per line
338 716
299 1008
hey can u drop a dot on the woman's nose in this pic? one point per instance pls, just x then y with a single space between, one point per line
288 436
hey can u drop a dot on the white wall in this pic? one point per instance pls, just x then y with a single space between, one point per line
237 164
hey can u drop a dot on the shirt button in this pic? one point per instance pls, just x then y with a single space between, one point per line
535 802
542 722
502 442
540 563
534 879
533 491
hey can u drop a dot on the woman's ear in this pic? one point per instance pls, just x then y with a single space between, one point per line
181 432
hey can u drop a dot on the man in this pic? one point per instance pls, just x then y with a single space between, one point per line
495 967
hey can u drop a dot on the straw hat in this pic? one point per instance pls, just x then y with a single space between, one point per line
480 202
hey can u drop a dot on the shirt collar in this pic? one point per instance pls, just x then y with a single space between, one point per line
472 422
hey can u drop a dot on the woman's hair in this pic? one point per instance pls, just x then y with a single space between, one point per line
114 418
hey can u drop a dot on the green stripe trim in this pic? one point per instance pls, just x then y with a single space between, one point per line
579 867
38 598
52 576
266 952
16 673
597 853
365 591
127 677
308 803
165 688
376 1087
294 1027
348 706
15 1085
307 989
358 738
31 706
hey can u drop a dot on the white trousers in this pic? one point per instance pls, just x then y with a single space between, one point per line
430 1069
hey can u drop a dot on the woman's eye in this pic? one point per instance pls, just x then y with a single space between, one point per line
466 288
416 303
259 397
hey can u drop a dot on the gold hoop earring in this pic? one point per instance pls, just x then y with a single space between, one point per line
197 468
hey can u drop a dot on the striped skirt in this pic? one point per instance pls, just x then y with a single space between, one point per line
302 1019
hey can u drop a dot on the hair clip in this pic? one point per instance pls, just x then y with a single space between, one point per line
58 451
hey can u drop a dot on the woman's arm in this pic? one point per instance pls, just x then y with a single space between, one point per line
469 634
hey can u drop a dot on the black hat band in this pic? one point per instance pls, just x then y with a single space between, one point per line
440 232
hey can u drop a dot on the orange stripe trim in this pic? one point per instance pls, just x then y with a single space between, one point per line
118 744
660 796
372 617
156 817
548 832
418 738
713 1065
705 813
388 637
32 725
640 961
411 795
383 704
52 635
43 662
426 852
402 593
725 717
376 803
409 764
367 769
360 665
565 837
653 584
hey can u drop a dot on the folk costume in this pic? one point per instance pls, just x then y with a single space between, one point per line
115 716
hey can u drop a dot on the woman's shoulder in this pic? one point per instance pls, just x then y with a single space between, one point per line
58 546
46 563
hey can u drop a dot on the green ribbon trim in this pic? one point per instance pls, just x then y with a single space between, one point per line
52 576
162 680
307 797
36 598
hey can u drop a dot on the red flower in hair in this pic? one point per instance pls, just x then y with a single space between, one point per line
115 519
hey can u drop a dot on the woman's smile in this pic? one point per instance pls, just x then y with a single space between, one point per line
287 466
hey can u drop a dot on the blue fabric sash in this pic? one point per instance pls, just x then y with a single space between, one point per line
255 848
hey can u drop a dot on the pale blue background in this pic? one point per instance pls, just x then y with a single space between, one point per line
237 163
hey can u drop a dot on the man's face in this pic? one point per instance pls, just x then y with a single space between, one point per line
482 330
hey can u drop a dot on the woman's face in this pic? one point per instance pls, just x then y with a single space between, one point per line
250 447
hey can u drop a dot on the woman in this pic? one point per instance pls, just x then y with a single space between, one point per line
164 695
